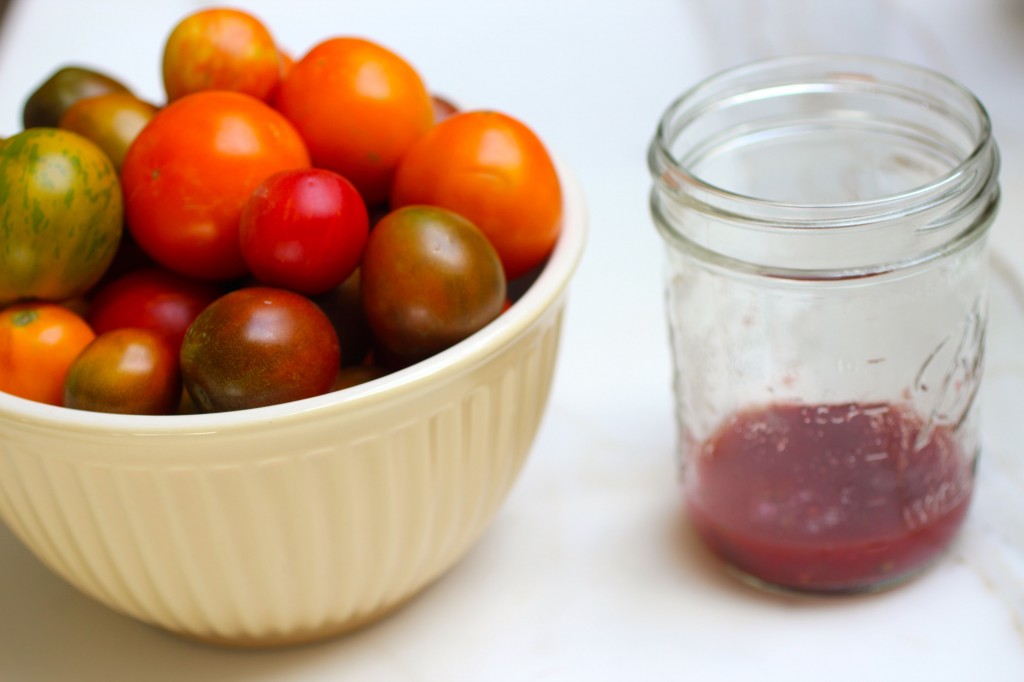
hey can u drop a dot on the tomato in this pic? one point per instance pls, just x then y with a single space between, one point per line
344 307
220 49
258 346
494 171
359 107
355 375
285 64
151 298
304 230
430 278
67 85
38 343
443 108
125 371
60 215
111 121
190 171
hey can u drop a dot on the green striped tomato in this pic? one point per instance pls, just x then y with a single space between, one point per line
61 215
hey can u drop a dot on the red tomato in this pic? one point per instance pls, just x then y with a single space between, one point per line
220 49
304 230
494 171
359 107
38 343
190 171
125 371
152 299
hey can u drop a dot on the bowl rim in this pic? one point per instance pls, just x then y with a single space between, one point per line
552 280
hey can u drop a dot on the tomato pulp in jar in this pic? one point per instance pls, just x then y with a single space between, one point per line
829 497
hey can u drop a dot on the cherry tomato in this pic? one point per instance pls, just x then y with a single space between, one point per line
111 121
151 298
220 49
344 307
359 107
258 346
304 230
443 108
429 279
190 171
125 371
357 374
494 171
67 85
38 343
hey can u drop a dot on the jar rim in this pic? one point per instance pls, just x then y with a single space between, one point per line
674 176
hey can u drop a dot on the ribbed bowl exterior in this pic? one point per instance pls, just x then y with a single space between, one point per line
294 522
281 533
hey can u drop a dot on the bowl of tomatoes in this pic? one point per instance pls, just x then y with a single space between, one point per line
275 381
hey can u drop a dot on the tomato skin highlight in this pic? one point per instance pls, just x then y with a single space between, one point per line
359 107
304 230
125 371
189 173
38 343
61 215
493 170
258 346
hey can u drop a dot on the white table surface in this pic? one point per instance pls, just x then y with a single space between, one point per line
589 572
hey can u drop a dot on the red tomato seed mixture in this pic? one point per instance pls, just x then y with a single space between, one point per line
242 243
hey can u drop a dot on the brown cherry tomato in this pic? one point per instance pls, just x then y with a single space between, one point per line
443 108
67 85
494 171
111 121
38 343
344 307
430 278
125 371
220 49
258 346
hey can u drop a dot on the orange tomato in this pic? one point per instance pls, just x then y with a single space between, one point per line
220 49
493 170
190 171
38 343
359 107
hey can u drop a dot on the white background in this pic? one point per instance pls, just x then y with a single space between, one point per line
589 572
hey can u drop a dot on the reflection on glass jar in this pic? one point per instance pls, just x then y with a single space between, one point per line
825 222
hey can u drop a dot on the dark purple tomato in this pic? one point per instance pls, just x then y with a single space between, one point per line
125 371
64 87
443 107
345 310
258 346
357 374
430 278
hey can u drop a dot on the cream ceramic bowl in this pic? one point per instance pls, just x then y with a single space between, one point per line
293 522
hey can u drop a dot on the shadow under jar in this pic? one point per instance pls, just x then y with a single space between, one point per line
825 222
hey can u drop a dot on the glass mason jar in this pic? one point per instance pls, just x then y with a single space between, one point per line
825 222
